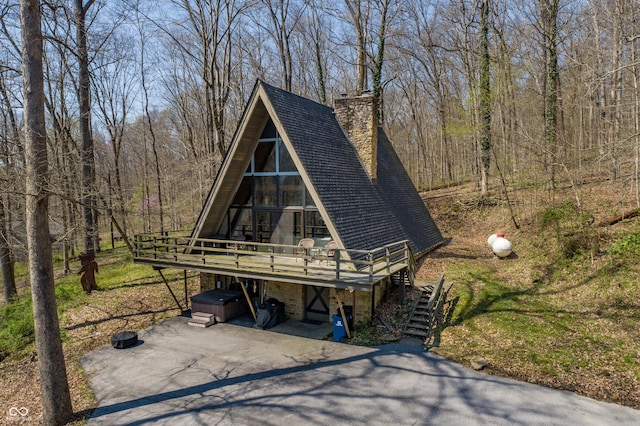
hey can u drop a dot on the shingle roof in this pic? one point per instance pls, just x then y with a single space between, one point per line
364 215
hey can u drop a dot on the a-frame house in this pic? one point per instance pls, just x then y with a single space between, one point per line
309 201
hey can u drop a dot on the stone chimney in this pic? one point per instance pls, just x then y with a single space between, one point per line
358 117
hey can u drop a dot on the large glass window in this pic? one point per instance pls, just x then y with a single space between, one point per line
315 226
243 196
241 221
272 199
285 161
264 158
265 191
290 190
279 226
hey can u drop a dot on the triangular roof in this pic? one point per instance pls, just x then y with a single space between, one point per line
359 214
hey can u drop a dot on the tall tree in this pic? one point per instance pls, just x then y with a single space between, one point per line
56 399
549 13
386 12
485 98
10 145
617 51
6 260
114 82
316 35
154 140
209 43
89 198
283 17
358 16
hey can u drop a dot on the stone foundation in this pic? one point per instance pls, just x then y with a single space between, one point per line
293 297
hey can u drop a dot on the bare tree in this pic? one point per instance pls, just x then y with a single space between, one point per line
89 211
549 17
485 98
11 149
154 141
114 85
316 37
56 399
6 260
284 18
386 13
358 15
208 42
9 135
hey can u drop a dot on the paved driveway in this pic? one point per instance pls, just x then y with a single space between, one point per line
231 375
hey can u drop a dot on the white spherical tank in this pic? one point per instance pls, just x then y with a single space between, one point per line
501 246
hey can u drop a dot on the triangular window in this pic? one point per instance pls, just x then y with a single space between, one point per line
272 204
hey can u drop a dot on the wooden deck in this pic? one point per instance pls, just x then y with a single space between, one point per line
347 269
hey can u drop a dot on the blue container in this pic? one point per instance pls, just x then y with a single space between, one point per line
339 332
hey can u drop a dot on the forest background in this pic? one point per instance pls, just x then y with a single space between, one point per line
143 97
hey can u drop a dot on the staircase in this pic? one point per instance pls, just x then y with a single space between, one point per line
426 311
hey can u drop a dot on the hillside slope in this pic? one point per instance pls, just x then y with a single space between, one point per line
562 310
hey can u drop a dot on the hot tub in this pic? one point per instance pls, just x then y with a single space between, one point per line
224 304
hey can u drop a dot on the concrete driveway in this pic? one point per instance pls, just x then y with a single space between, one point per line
231 375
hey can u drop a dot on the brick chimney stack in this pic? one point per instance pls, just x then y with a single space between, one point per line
358 117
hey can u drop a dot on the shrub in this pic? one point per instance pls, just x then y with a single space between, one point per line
16 326
571 227
626 246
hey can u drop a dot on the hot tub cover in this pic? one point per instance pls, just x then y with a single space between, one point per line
217 297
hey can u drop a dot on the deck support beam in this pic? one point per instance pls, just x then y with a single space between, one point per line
169 287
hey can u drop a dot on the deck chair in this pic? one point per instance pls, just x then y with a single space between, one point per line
237 243
329 251
304 245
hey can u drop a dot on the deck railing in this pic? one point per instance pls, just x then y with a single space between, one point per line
233 256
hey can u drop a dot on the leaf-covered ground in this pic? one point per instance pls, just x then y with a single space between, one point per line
561 311
130 297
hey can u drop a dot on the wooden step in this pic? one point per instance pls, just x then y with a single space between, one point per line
418 326
196 322
203 315
202 319
416 333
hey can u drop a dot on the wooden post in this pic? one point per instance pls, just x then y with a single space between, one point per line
342 314
246 295
186 292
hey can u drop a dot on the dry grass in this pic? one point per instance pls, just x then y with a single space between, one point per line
535 316
542 316
129 305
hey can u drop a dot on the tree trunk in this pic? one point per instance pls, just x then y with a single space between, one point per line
88 162
379 59
56 400
485 100
616 89
6 261
550 18
359 21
